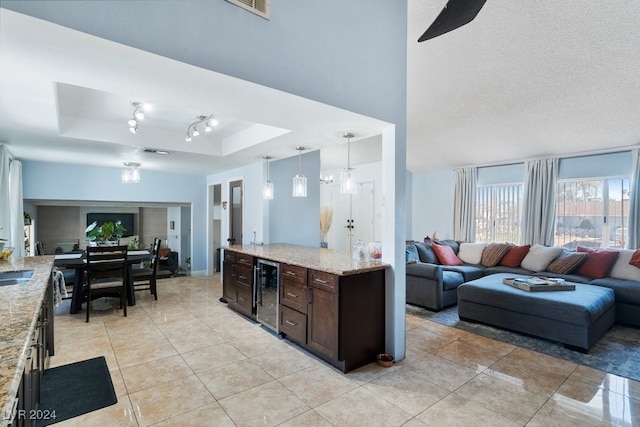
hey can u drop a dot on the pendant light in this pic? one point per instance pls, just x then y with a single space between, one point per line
299 181
267 188
347 178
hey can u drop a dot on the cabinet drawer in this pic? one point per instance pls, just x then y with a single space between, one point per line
229 256
244 277
245 301
244 259
322 280
294 294
293 272
294 324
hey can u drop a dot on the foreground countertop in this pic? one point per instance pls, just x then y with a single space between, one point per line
19 308
328 260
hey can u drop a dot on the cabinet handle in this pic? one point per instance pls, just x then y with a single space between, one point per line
324 282
242 277
290 273
241 299
289 294
290 323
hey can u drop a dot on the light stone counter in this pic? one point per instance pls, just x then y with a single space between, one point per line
321 259
19 308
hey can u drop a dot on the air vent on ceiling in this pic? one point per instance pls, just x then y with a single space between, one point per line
259 7
156 151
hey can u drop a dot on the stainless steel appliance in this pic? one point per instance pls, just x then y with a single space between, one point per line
266 293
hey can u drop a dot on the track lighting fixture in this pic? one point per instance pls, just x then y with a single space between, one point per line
138 114
206 123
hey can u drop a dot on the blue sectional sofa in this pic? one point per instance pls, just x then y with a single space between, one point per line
432 285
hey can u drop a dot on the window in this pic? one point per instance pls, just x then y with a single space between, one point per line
498 213
592 212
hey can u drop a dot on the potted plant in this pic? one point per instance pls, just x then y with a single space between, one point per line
2 241
104 233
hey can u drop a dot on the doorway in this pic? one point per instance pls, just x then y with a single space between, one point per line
235 213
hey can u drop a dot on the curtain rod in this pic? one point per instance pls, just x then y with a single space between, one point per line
618 149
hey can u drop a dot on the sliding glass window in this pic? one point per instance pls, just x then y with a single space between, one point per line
592 212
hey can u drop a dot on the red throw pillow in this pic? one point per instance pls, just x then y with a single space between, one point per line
598 264
514 257
446 255
635 259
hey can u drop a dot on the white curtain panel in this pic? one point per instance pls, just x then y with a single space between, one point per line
17 208
634 202
464 205
5 222
539 204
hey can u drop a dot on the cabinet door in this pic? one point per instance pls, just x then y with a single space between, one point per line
228 282
322 322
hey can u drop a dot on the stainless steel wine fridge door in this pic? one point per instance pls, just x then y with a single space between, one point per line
267 295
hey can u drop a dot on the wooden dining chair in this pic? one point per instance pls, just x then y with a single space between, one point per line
106 274
145 278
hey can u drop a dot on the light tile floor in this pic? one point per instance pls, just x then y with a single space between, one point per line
188 360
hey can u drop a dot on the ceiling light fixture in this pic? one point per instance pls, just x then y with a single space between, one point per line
300 181
131 174
267 187
138 114
347 181
207 123
326 179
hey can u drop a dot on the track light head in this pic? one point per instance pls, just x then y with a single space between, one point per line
208 122
133 129
133 122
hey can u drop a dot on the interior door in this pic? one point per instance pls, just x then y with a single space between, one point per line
235 213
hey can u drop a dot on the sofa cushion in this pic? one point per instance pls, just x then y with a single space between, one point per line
451 243
451 280
469 272
411 253
446 255
514 257
598 264
635 259
539 257
566 262
626 291
471 253
493 253
623 269
426 253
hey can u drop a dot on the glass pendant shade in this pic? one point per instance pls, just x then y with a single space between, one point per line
299 186
131 173
347 181
299 181
267 190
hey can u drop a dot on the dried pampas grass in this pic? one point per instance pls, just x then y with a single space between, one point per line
326 216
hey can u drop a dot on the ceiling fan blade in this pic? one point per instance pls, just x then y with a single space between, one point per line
455 14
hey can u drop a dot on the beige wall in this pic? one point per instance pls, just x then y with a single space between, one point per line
63 226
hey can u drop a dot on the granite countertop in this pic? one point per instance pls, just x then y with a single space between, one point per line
19 308
328 260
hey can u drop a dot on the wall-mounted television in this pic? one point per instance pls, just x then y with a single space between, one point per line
127 220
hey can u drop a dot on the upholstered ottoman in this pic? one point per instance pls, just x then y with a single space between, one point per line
575 318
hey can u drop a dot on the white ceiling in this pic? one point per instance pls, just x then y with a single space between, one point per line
70 101
523 80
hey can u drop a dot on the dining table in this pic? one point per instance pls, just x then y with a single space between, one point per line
78 261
